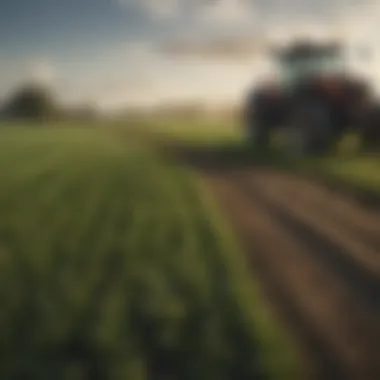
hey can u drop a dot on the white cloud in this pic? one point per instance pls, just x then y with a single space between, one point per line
232 49
237 11
227 12
42 72
138 52
224 12
161 9
157 9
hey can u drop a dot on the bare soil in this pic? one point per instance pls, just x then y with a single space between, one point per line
316 253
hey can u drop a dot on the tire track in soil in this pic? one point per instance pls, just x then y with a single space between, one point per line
255 229
316 253
361 223
340 336
336 243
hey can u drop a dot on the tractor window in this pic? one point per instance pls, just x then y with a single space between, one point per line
332 64
299 62
297 69
293 71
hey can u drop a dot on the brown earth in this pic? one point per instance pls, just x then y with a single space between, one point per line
317 255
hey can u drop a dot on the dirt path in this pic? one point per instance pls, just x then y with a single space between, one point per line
317 254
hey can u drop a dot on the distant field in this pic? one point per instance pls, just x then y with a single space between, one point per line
347 166
116 262
194 132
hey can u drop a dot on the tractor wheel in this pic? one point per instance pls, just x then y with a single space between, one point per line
370 130
297 141
259 135
310 131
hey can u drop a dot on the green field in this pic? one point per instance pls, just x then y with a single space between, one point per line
115 262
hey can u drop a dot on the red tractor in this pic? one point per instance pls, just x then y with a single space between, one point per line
314 101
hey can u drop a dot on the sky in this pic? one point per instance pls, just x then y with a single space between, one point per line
126 52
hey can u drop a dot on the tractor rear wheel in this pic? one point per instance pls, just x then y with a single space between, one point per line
369 132
310 130
259 135
257 131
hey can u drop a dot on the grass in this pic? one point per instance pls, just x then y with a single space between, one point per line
193 132
115 264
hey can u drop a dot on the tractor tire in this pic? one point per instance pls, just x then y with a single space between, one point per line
258 135
369 132
310 132
298 142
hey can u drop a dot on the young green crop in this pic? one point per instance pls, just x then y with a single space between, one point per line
114 266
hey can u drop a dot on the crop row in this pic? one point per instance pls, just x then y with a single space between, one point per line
113 265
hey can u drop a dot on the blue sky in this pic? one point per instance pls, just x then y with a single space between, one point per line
109 50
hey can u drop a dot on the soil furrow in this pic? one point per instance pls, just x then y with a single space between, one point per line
360 254
363 224
319 362
316 253
324 247
330 323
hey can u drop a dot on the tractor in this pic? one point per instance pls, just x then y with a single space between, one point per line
312 100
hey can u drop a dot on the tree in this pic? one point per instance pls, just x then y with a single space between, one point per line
30 101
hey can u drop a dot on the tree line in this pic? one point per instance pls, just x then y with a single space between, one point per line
35 102
30 101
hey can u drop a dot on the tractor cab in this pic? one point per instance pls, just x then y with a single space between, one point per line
306 61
